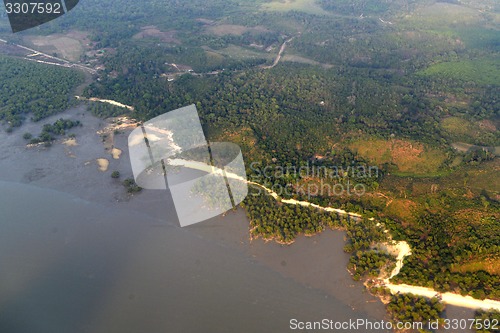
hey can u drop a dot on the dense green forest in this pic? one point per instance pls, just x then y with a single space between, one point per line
33 91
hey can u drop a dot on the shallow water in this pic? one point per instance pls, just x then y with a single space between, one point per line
69 265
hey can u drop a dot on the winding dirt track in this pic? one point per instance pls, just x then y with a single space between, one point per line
278 57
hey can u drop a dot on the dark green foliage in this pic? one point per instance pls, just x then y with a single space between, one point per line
284 222
60 126
50 131
105 110
115 174
131 186
114 22
33 89
409 308
477 156
369 263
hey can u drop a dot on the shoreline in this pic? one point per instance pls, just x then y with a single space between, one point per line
403 250
400 249
40 180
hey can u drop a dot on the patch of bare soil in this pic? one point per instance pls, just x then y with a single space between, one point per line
151 31
70 45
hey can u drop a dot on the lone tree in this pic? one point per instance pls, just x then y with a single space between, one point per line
115 174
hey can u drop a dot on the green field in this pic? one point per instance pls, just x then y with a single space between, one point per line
461 130
481 71
306 6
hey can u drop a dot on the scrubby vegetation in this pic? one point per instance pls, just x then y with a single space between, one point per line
51 131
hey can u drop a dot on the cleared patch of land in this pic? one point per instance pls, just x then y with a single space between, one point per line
462 130
153 32
306 6
410 158
304 60
480 71
239 52
228 29
405 210
116 153
490 265
444 15
69 46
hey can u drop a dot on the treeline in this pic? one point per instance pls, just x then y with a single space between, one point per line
33 90
342 168
105 110
272 219
262 38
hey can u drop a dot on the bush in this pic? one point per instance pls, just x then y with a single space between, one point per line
131 186
115 174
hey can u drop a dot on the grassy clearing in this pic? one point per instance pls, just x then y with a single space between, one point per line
402 209
154 32
442 16
461 130
480 38
228 29
69 46
410 158
481 71
238 52
214 59
477 178
306 6
491 266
